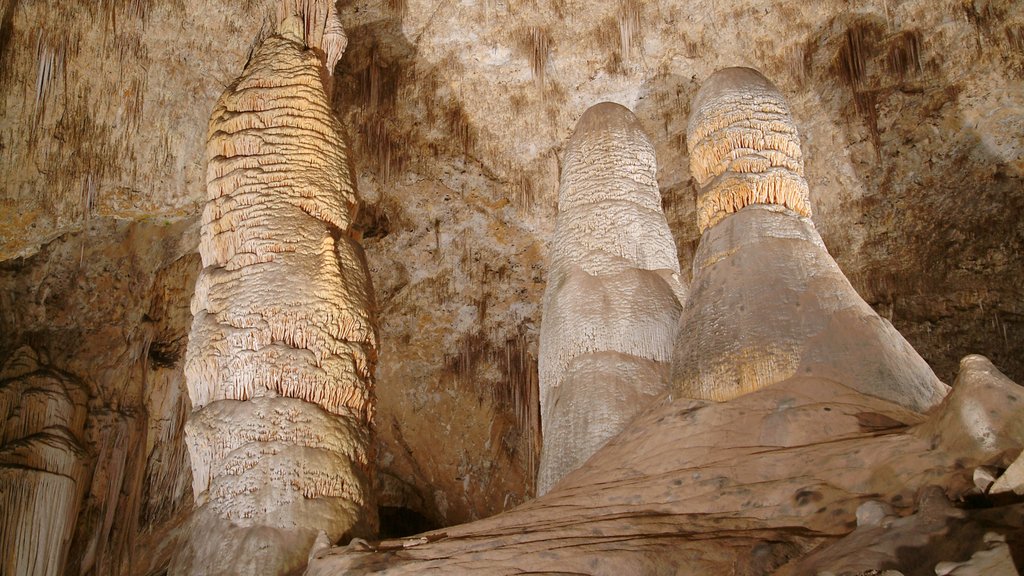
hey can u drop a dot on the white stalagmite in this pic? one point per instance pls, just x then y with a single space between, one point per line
42 465
283 343
767 301
613 295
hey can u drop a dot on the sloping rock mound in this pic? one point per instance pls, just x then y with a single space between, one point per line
741 487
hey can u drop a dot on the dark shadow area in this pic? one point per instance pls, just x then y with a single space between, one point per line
396 522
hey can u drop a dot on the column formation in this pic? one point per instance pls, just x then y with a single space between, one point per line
283 344
42 464
767 300
612 301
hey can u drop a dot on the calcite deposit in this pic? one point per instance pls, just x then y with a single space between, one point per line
283 344
42 464
612 302
757 463
768 302
910 116
768 482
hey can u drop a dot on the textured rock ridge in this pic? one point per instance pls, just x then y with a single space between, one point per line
42 465
283 342
767 300
778 481
744 148
316 24
613 294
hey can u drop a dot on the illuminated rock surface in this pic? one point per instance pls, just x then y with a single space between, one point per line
910 114
612 303
768 481
768 302
283 343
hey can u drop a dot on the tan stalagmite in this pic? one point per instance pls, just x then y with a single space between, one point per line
42 465
283 343
613 295
744 148
767 301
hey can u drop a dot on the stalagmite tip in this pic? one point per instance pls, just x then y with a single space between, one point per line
744 147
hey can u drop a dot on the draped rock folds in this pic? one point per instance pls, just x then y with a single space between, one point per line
744 148
283 341
613 295
42 465
767 300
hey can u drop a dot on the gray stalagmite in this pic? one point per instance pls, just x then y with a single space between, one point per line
42 465
767 300
283 342
613 295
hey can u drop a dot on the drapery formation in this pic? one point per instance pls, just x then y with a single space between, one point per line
42 464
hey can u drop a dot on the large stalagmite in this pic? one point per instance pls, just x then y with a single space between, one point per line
283 343
613 295
767 300
42 465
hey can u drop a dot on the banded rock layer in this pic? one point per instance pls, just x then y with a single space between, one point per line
43 465
613 295
283 342
767 300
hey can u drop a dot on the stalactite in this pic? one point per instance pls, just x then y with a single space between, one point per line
283 343
613 294
768 302
42 465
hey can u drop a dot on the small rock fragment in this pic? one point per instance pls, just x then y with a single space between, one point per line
872 512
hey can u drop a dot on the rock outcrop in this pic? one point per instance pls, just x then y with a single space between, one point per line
777 479
767 301
43 464
612 301
283 344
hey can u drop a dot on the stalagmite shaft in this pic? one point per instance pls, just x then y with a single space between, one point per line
283 342
767 300
613 294
42 465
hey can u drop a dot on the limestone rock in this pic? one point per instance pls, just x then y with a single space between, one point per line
767 300
613 294
1012 479
43 464
923 543
283 346
744 147
771 480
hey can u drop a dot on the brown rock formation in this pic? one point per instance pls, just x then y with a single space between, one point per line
612 301
768 302
42 465
791 460
283 344
747 486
